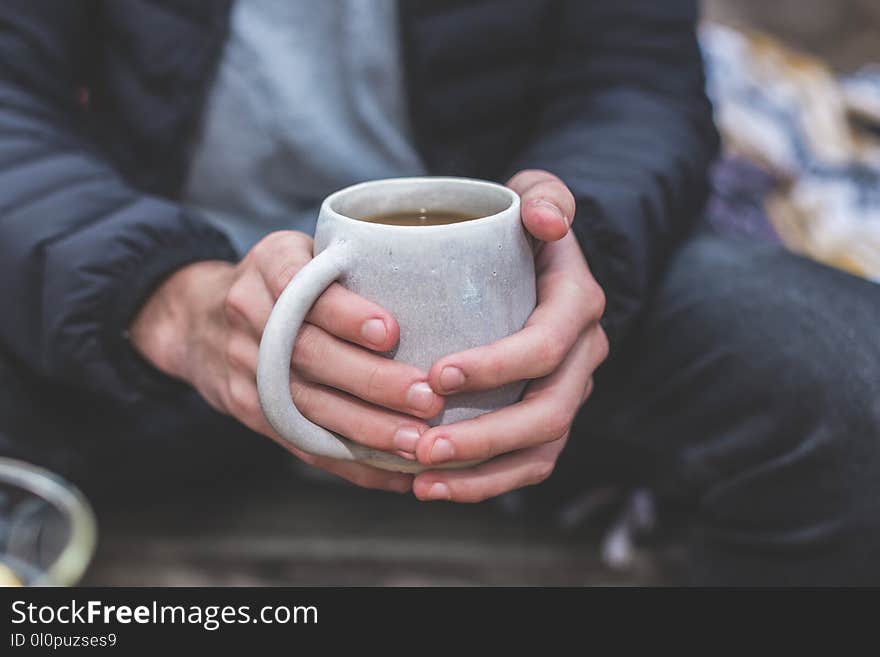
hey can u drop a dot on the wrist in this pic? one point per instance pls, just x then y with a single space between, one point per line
164 328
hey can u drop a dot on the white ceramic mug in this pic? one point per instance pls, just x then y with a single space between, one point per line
450 287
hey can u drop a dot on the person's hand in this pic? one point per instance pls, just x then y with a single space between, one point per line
560 346
204 323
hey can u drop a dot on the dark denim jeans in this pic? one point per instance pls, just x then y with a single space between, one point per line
750 394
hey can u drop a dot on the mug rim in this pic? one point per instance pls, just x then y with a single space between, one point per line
327 205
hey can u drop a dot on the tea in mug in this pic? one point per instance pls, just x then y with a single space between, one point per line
421 217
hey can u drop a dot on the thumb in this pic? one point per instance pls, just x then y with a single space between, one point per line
547 205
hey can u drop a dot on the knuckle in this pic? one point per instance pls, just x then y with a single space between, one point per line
550 349
485 442
280 255
282 276
268 247
300 240
494 367
557 424
307 347
373 387
238 353
362 430
604 346
258 251
281 240
235 302
243 399
589 295
223 400
488 446
597 296
252 408
234 396
230 352
588 390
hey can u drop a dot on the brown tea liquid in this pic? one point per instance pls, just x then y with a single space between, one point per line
421 217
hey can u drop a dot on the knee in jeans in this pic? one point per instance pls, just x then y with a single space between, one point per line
790 335
797 359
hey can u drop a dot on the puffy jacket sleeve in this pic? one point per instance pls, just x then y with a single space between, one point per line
80 249
626 124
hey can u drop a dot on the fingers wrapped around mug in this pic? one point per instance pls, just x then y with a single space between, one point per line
401 265
543 416
339 412
570 304
341 387
324 359
526 467
359 474
340 312
357 420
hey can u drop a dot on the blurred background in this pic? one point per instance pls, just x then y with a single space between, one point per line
845 33
796 90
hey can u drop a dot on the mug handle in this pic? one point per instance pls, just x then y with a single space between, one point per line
274 363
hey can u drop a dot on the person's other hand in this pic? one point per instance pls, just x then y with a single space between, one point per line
560 346
204 324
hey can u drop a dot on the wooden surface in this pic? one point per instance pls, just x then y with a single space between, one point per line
295 533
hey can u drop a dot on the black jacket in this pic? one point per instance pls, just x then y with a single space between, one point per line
100 101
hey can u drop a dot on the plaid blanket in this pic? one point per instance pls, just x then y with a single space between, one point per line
802 150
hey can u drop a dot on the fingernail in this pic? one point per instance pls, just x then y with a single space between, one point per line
373 331
439 491
552 207
442 450
406 455
451 379
406 439
420 396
